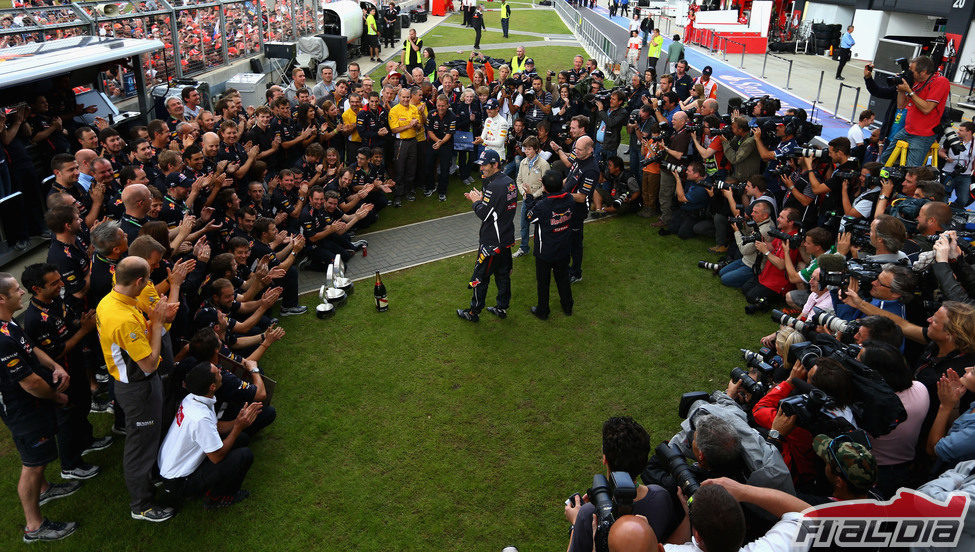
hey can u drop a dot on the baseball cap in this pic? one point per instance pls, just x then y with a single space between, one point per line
488 156
492 103
848 459
707 70
529 60
206 317
598 73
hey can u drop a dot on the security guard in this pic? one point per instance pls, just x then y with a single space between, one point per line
580 183
496 208
505 17
519 61
552 215
390 17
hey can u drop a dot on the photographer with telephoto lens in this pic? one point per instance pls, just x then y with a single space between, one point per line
626 447
826 375
739 271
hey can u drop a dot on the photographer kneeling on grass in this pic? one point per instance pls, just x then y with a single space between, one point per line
626 447
619 192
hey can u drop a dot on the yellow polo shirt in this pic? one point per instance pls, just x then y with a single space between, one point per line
401 116
123 333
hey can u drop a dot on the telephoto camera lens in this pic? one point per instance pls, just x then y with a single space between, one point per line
747 382
790 321
713 267
829 321
672 457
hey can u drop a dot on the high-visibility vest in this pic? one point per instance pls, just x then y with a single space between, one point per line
517 67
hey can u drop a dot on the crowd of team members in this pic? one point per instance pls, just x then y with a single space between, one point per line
170 247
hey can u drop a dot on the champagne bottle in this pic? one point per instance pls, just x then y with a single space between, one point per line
379 292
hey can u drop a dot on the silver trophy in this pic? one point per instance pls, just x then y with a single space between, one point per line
324 309
333 295
340 281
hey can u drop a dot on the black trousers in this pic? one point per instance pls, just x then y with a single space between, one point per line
755 292
499 266
575 252
404 161
74 430
544 270
438 159
215 480
142 402
477 38
844 56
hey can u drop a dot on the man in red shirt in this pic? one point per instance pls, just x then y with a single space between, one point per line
772 283
926 100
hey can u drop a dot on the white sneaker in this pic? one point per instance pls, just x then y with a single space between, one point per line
454 169
519 253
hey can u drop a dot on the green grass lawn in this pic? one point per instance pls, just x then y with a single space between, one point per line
426 208
538 20
453 36
414 430
546 57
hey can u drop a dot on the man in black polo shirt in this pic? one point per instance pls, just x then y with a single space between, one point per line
259 201
137 201
580 184
64 334
325 230
265 138
31 385
440 127
289 198
683 81
283 259
371 123
390 17
111 244
65 170
552 214
67 253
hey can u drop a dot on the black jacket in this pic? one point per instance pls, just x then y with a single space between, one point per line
551 214
582 179
497 213
615 120
881 90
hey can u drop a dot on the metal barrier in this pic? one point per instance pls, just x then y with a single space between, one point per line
856 99
719 38
199 35
604 50
788 77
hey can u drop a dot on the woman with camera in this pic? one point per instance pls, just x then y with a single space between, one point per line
564 108
695 100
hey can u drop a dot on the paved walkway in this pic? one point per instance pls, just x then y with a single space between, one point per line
408 246
506 46
512 31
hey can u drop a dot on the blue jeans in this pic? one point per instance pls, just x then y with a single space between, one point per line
917 147
735 274
525 227
961 185
511 169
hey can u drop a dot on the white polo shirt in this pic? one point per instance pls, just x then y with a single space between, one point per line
192 436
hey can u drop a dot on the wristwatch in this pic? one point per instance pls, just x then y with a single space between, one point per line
774 434
258 371
882 197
